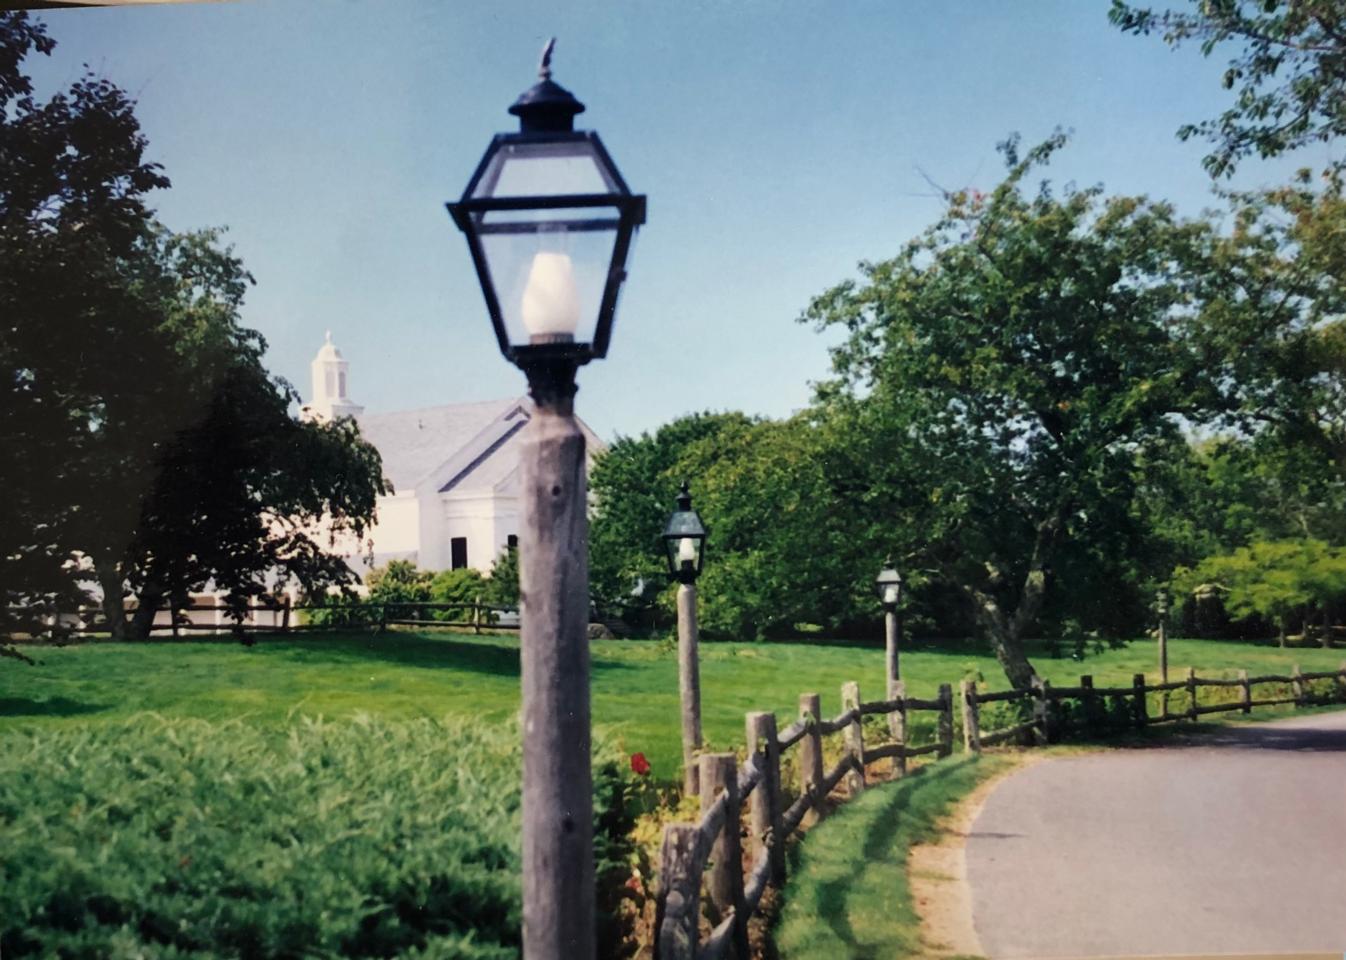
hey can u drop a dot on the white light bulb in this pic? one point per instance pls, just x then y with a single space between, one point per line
890 595
551 301
687 550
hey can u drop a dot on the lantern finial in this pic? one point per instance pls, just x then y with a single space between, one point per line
544 67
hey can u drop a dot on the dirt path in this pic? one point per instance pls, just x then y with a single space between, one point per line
937 873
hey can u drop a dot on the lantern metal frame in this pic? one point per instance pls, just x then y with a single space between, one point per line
888 577
546 114
683 524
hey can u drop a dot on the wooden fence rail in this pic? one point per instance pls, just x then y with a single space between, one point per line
709 851
87 620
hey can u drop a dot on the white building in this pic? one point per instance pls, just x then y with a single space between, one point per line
454 471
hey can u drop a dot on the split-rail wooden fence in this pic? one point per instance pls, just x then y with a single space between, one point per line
708 853
284 616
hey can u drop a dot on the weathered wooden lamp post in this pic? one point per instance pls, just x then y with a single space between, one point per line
889 585
685 542
1161 598
549 222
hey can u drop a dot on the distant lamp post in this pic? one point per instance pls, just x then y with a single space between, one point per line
1161 602
549 223
889 586
685 546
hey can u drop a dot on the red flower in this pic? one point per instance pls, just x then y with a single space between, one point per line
639 764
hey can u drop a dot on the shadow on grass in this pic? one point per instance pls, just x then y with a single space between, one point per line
419 650
885 822
51 707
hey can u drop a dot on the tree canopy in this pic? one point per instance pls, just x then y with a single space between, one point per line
144 437
1288 72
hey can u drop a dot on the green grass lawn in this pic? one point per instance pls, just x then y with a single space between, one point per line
404 674
847 895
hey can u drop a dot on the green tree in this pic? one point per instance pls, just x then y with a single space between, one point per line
144 434
998 378
779 552
632 486
463 587
1289 71
397 583
1271 579
502 586
73 181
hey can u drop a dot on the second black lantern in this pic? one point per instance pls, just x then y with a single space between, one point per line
685 540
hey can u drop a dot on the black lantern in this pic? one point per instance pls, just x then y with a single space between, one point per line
685 540
549 222
889 585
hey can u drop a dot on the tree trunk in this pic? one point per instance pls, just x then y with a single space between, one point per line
1007 633
1280 634
149 601
114 606
1326 638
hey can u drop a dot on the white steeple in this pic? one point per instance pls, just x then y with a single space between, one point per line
330 399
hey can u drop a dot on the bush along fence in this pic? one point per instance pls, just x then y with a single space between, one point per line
284 616
708 853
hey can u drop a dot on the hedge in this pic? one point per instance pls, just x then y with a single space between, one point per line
185 838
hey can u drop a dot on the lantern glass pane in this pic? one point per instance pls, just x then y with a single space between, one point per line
555 168
549 269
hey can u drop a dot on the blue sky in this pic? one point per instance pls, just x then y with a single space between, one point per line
778 143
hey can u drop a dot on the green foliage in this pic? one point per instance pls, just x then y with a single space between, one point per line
632 485
1269 579
142 428
997 379
399 582
463 586
1289 71
361 838
502 586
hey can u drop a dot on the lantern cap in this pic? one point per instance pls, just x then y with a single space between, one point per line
684 521
888 574
546 106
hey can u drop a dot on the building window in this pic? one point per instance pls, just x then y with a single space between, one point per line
458 552
341 384
512 541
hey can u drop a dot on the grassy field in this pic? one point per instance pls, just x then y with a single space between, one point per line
438 674
847 895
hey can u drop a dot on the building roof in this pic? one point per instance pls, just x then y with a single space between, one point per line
443 444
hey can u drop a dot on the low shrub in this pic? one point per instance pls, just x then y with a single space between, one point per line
179 837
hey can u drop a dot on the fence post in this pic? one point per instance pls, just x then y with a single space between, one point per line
383 618
1138 709
678 912
1045 731
1191 694
724 876
945 720
1089 705
1341 679
1247 689
285 615
855 738
766 806
971 720
476 615
811 755
897 725
1298 686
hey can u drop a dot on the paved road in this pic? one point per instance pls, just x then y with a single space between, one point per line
1232 843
